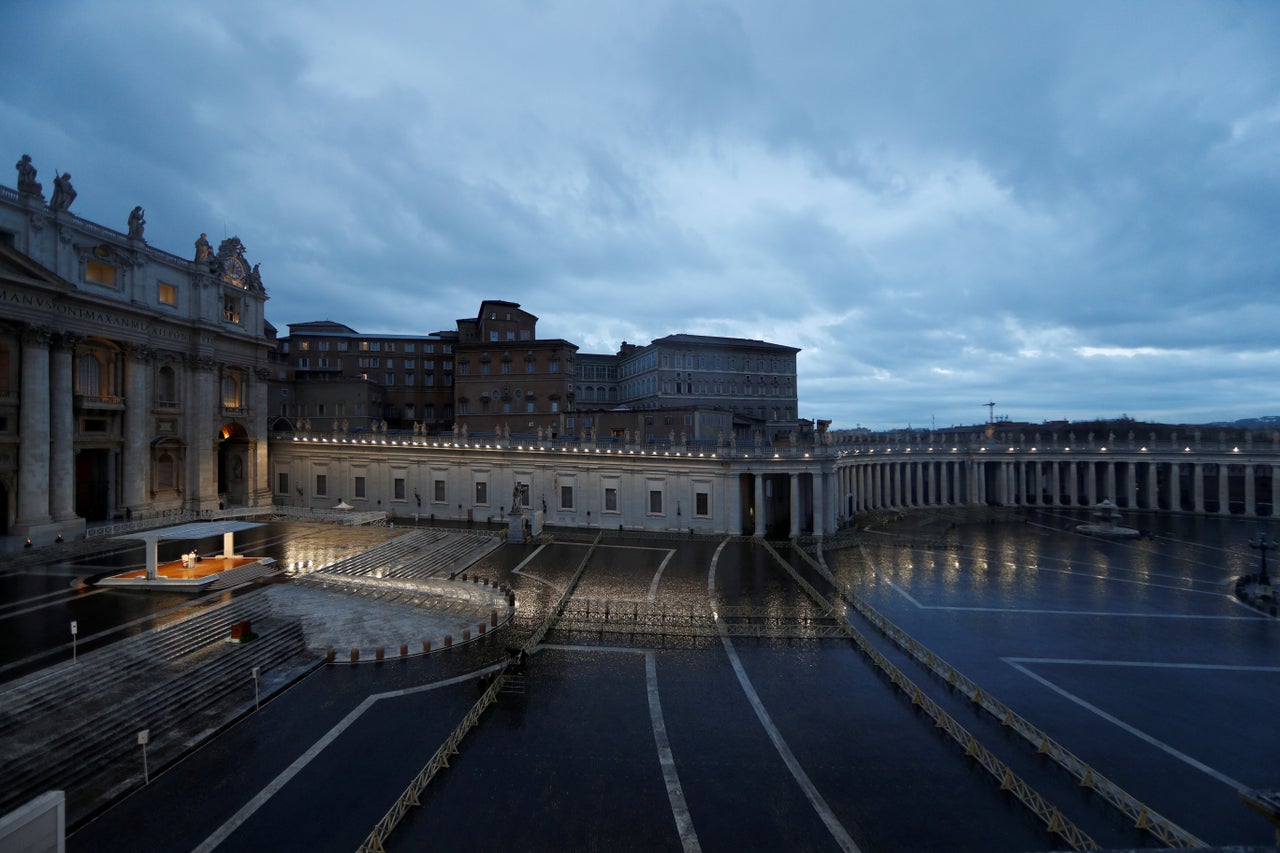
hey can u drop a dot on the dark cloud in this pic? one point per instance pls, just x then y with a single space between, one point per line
1069 209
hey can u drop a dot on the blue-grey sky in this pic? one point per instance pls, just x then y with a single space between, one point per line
1068 208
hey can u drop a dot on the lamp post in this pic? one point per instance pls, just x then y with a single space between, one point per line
143 737
1262 543
256 706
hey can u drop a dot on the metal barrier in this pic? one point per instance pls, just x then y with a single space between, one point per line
1009 781
384 827
1165 830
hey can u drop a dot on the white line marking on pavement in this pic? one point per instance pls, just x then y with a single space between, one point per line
679 809
519 570
837 830
1226 667
1138 733
247 810
1046 612
657 576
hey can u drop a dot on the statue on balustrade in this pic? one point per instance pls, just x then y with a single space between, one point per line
27 184
137 222
63 192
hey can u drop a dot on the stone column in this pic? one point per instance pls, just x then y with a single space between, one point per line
1110 483
1131 486
62 468
137 450
795 505
759 505
1153 486
33 430
1175 488
1275 490
201 488
258 477
1073 484
1250 498
1091 483
1197 486
1055 483
733 503
1224 479
921 499
819 505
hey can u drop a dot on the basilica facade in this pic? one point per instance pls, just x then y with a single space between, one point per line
132 381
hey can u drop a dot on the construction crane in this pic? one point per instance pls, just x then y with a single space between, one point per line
991 417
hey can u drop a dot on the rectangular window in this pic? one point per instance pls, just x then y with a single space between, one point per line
482 493
410 347
360 487
391 363
655 502
566 497
439 492
702 505
610 499
408 363
428 379
464 368
528 406
555 405
506 367
168 294
324 346
322 485
397 488
100 273
342 346
484 368
282 483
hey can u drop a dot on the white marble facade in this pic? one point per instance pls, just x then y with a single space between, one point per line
132 381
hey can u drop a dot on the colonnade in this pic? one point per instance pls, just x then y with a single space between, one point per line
1206 483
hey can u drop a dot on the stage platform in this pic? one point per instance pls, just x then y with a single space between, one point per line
208 571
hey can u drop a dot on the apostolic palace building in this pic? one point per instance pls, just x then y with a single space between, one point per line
136 383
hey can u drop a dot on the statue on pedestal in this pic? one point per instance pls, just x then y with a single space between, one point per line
203 250
137 222
27 184
63 192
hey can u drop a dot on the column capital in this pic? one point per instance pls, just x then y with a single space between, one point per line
40 336
138 352
262 373
203 362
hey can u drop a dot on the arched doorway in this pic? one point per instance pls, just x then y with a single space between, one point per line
233 465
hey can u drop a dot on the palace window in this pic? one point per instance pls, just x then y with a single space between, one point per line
397 489
100 273
360 487
439 492
322 485
167 294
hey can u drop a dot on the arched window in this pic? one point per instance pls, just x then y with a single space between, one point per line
89 375
164 471
166 385
231 388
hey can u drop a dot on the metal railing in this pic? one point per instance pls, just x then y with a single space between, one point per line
119 528
1052 817
440 760
1143 817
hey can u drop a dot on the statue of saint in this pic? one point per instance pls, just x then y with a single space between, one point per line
27 184
137 222
63 192
203 250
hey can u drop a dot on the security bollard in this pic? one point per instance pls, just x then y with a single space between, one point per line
329 656
480 629
404 650
426 647
355 655
493 618
378 653
466 634
448 640
511 599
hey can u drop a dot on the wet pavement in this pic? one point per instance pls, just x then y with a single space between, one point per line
1132 654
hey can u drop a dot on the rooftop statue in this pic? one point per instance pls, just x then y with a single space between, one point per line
63 192
203 250
137 222
27 184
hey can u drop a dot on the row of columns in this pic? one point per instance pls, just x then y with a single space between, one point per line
46 430
900 484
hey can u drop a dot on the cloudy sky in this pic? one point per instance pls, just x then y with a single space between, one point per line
1071 209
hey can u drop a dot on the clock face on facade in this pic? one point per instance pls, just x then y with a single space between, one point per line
234 270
